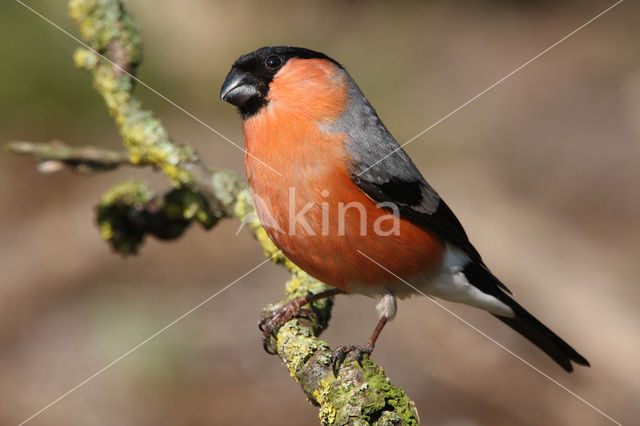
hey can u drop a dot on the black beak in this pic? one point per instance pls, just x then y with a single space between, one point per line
238 88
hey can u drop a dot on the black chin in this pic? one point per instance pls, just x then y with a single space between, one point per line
251 107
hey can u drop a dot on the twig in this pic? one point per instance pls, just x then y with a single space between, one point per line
55 155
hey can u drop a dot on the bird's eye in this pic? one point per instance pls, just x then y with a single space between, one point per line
273 62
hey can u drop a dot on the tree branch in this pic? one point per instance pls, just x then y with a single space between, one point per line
359 395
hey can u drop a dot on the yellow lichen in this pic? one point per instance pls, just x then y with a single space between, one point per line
327 412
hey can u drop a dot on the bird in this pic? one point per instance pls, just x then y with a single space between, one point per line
342 200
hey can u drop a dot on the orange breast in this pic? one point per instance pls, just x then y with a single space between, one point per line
313 211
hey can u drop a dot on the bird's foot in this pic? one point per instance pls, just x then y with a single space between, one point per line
340 354
271 322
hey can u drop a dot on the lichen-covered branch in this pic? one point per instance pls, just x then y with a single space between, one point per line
130 211
360 394
107 28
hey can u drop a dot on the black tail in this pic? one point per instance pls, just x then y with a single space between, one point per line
538 334
523 322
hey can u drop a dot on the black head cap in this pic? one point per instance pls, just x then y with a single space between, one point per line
247 84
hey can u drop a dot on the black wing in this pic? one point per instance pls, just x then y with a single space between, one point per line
416 200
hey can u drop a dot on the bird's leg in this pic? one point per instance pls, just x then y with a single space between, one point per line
270 324
387 309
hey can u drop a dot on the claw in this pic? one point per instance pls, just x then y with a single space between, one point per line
267 333
266 344
271 323
338 358
340 354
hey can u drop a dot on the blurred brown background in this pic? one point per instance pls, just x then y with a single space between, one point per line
542 170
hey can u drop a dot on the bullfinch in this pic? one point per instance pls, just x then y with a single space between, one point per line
342 200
